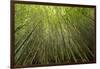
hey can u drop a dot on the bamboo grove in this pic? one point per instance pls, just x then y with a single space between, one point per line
53 34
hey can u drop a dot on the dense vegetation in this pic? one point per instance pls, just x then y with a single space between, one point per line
53 34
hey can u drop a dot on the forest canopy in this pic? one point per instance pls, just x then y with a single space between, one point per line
53 34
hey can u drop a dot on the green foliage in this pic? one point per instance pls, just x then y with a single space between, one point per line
53 34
